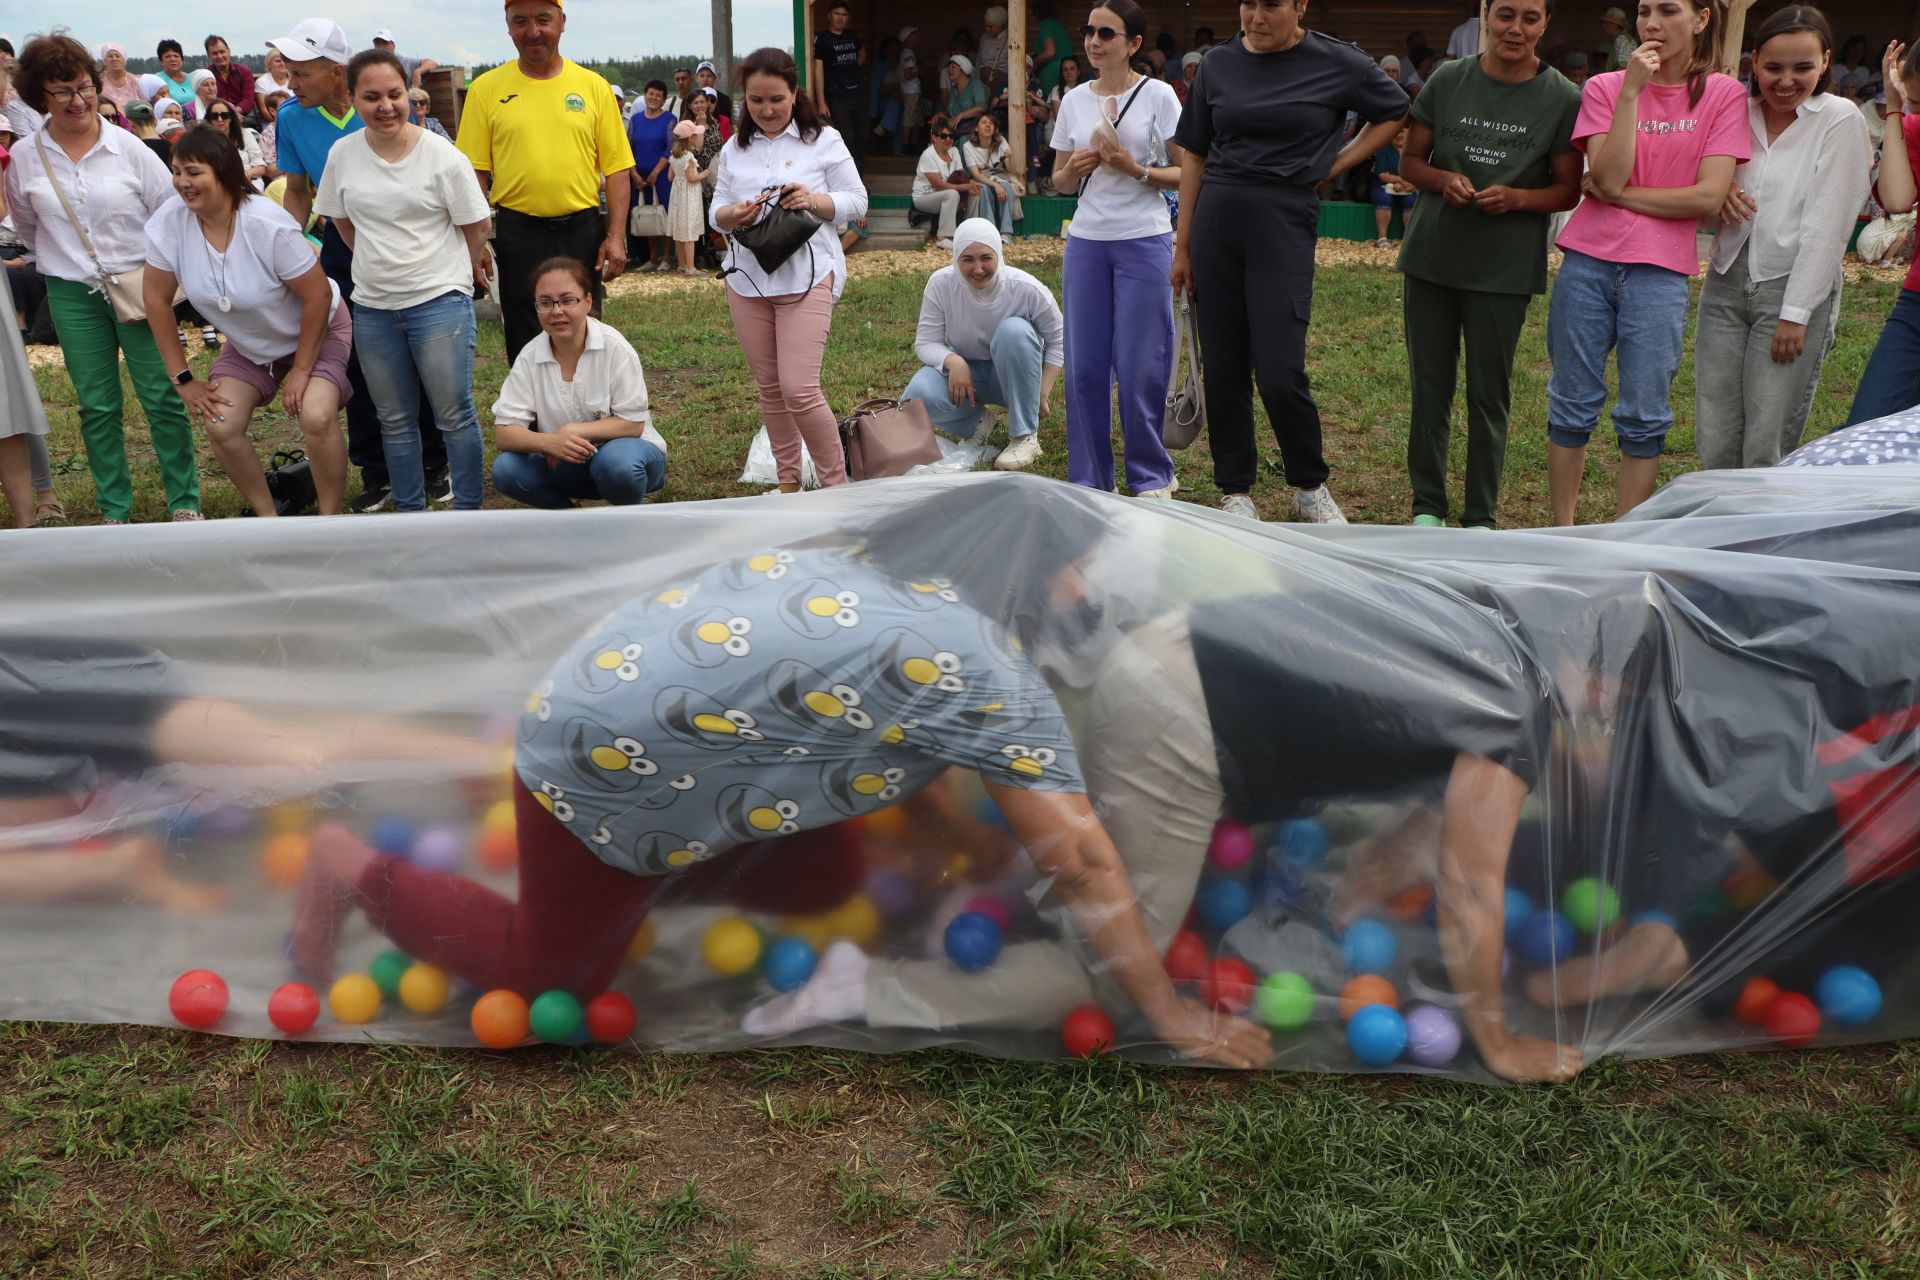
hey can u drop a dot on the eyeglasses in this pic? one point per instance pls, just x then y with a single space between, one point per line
944 133
219 115
564 302
1105 33
63 96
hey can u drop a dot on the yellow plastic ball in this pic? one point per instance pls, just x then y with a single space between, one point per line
425 988
285 857
857 920
731 946
499 818
643 940
354 999
887 824
294 816
815 931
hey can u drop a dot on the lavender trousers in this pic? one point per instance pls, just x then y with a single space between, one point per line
1119 329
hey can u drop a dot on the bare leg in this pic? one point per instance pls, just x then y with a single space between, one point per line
326 446
1649 957
131 871
1381 217
335 864
204 731
1565 468
228 435
1400 856
16 483
1638 476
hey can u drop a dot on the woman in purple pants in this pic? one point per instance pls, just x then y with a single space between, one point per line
1110 141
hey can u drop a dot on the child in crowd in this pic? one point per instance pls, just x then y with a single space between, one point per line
686 211
1389 190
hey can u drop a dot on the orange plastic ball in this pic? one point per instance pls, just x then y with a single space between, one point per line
499 817
643 940
500 1019
1412 904
857 920
1755 996
499 850
1368 988
887 824
285 857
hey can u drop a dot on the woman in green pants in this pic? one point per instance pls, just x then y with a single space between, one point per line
81 194
1491 151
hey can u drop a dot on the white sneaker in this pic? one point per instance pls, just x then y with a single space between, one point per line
1163 493
944 246
1023 452
1316 506
1240 504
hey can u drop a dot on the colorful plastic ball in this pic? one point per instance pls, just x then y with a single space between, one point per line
1592 905
1519 910
1368 988
392 836
1282 889
1411 904
424 988
1848 995
816 931
554 1016
973 941
198 998
1223 903
1187 957
988 904
1433 1035
499 850
1545 939
293 1008
1376 1034
1792 1019
611 1018
387 969
887 824
295 816
1284 1001
500 817
857 920
989 812
1750 1006
354 999
1229 985
1748 887
439 849
231 820
284 858
181 822
1087 1031
789 962
891 892
731 946
1368 947
1232 845
1655 917
1303 842
643 940
499 1019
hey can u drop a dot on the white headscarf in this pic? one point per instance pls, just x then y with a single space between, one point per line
199 76
979 231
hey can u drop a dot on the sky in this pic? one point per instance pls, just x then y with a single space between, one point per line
451 32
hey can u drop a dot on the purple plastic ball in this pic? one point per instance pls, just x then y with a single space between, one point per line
231 819
439 849
891 892
1433 1035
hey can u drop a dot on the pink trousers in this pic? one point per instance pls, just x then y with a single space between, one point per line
785 338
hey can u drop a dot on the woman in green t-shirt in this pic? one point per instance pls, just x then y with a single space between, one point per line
1051 43
1491 151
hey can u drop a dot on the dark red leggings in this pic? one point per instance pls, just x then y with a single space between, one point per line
576 915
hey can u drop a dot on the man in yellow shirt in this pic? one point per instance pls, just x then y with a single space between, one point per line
544 135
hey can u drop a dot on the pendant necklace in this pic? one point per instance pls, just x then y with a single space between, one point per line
217 265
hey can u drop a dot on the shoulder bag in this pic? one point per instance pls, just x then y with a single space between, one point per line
648 216
888 438
1186 413
778 233
125 291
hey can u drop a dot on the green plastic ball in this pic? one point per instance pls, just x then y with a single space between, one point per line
554 1017
386 971
1592 905
1284 1001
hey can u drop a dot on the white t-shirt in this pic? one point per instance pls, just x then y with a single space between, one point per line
909 71
265 86
407 246
267 250
932 164
1112 205
607 383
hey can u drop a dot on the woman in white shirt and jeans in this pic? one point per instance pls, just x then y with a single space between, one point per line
572 419
934 191
1768 306
783 317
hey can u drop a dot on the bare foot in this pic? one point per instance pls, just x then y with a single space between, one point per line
335 864
1649 957
1531 1058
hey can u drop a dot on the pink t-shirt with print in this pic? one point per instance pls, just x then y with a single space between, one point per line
1673 138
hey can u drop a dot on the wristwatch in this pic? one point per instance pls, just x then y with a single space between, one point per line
1146 176
183 377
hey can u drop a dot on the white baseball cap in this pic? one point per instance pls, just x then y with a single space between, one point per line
313 39
383 34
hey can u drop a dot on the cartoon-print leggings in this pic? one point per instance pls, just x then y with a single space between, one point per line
575 915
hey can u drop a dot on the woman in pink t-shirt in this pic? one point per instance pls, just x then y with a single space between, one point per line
1662 139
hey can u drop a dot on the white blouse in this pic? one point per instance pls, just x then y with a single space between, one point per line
607 383
823 165
114 189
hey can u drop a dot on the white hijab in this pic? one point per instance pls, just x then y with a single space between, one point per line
979 231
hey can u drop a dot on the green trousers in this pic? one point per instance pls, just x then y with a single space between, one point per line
93 342
1436 318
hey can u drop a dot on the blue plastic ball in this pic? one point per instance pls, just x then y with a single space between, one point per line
1376 1034
392 836
1369 947
1848 995
1223 902
788 962
1303 842
1655 917
989 812
1519 911
973 941
1281 892
1545 939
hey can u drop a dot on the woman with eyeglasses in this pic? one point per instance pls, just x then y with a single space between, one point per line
1264 117
572 421
225 119
124 184
941 186
1110 142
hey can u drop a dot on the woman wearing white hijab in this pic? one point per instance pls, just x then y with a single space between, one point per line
989 334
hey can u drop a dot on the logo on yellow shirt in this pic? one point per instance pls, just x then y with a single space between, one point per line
576 103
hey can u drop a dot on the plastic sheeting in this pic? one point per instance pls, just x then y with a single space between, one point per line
990 762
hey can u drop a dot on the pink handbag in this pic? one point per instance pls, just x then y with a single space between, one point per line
888 438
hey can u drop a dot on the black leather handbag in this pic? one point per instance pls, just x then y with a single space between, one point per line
777 233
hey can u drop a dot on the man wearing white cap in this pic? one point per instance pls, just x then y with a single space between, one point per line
416 67
705 77
316 53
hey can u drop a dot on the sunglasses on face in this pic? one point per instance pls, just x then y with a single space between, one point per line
944 133
219 115
1089 31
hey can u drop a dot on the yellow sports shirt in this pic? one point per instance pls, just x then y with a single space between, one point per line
547 143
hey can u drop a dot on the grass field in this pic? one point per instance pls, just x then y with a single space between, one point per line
129 1152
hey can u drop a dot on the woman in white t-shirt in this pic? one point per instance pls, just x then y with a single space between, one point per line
274 81
1111 142
572 420
410 208
242 258
987 156
934 191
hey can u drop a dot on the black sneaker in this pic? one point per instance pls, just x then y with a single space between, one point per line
438 488
370 499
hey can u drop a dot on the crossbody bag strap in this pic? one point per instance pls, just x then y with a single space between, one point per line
40 142
1124 108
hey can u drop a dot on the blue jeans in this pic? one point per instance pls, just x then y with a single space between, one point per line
995 208
1636 310
1011 376
1892 380
430 347
623 472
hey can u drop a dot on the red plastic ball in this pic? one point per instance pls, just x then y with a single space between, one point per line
1792 1019
293 1007
611 1017
198 998
1087 1031
1187 957
993 907
1755 996
1229 985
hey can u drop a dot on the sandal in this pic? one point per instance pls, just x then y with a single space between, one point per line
48 513
186 515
